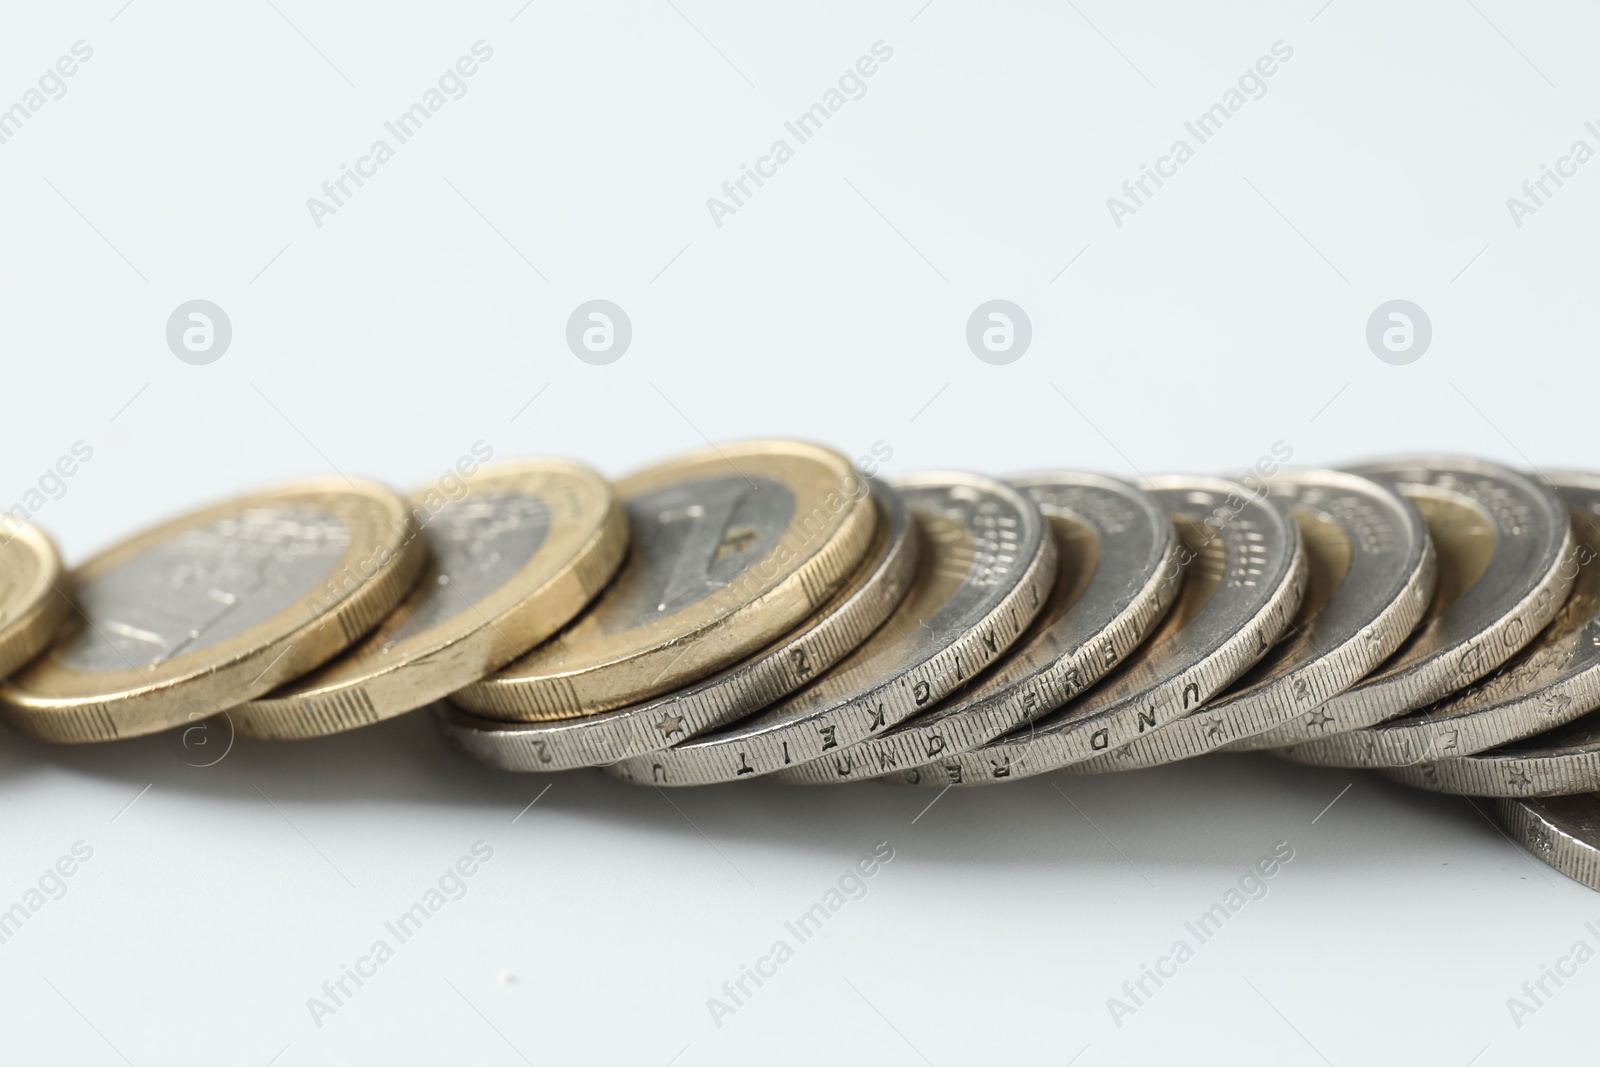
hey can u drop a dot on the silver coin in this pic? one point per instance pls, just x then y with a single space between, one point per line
853 612
1562 831
1370 575
1562 762
1553 680
1115 579
986 567
1245 574
1500 539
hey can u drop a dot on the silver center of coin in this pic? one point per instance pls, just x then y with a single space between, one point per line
478 545
203 587
691 540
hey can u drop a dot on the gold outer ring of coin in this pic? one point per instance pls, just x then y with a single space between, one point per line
33 601
854 613
53 701
585 543
584 670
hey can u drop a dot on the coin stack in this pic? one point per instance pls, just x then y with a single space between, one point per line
763 609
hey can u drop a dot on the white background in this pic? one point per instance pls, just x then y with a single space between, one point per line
1227 314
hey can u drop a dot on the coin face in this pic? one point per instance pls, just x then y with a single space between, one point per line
986 567
511 561
731 548
1244 576
1562 831
219 606
1500 540
1370 575
1553 680
854 611
1115 579
33 603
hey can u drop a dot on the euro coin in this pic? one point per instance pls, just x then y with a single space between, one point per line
854 611
1562 762
1501 540
1244 578
1115 579
512 560
1370 576
986 568
1564 832
732 547
33 603
1553 680
221 605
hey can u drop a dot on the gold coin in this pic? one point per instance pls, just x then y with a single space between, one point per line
218 606
732 547
32 601
512 561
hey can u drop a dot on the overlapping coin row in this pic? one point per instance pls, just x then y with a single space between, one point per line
764 610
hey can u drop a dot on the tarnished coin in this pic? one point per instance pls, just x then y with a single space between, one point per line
1500 539
33 585
855 610
986 567
1115 579
732 548
1562 762
1245 574
512 560
216 607
1553 680
1562 831
1371 573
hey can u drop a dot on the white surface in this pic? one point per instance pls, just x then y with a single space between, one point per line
833 306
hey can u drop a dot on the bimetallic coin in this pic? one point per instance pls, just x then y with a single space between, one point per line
1562 831
1245 574
985 570
216 607
732 548
1370 575
1115 579
1500 540
856 609
33 603
1553 680
513 560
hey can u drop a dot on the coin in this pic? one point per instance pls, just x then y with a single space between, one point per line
1370 575
512 561
218 606
732 548
32 602
1562 831
1563 761
1554 679
1244 576
1500 539
986 566
856 609
1115 579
